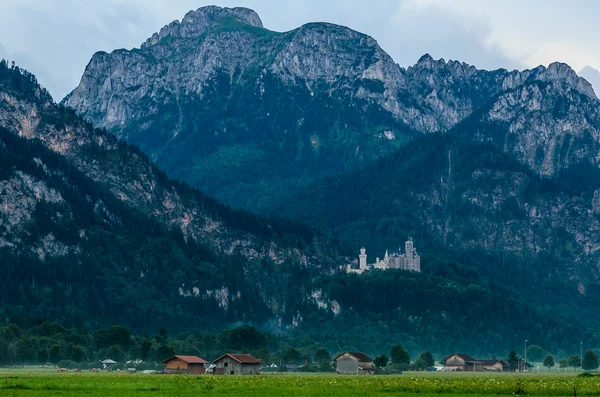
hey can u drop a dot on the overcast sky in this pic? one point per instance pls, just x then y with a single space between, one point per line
56 38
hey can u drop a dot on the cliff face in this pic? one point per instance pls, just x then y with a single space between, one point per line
69 197
213 95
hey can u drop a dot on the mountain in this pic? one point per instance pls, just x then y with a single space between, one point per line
92 229
468 202
519 176
592 75
94 234
248 115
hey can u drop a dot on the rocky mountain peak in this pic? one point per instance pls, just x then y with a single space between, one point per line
562 71
425 59
195 23
556 72
427 64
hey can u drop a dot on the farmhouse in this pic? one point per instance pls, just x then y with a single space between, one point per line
237 364
184 365
462 362
354 363
495 365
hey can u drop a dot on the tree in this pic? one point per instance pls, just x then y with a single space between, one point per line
25 350
575 361
590 361
381 361
425 360
114 335
535 353
513 360
116 353
78 354
326 366
54 354
164 352
292 355
549 361
145 349
42 356
322 355
400 356
3 356
563 363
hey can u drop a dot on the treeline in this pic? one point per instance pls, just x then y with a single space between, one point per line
50 343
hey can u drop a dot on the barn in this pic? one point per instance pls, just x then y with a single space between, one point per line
495 365
462 362
184 365
237 364
355 363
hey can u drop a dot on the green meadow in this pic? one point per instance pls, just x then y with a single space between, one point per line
45 383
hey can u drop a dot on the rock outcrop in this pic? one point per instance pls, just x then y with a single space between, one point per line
212 94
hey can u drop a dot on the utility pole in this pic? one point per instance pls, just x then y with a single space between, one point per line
525 353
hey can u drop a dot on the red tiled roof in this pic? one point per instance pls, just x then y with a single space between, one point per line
241 358
189 359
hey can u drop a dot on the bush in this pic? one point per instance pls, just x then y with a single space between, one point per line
67 364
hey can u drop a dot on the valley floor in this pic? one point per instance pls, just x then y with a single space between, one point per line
24 382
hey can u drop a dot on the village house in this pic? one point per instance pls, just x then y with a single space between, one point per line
184 365
237 364
464 362
495 365
354 363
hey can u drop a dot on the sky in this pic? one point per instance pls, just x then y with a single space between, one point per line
55 39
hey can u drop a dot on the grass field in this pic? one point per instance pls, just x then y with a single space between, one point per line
36 382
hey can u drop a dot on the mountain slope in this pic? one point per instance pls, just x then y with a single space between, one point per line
457 195
248 115
592 75
95 205
211 106
92 234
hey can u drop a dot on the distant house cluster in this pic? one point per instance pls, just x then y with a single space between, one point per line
227 364
464 362
409 260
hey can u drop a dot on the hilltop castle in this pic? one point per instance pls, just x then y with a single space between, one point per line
410 260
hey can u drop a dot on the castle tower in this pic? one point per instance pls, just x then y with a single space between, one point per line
417 262
409 252
363 259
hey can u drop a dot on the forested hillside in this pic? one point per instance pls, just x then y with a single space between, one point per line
94 235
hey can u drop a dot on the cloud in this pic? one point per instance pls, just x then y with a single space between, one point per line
416 29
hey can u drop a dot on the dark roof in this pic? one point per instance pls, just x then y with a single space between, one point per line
361 357
189 359
465 357
241 358
492 362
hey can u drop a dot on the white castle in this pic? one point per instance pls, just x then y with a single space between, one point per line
410 260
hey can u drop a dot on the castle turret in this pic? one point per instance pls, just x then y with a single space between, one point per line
409 250
417 262
362 259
